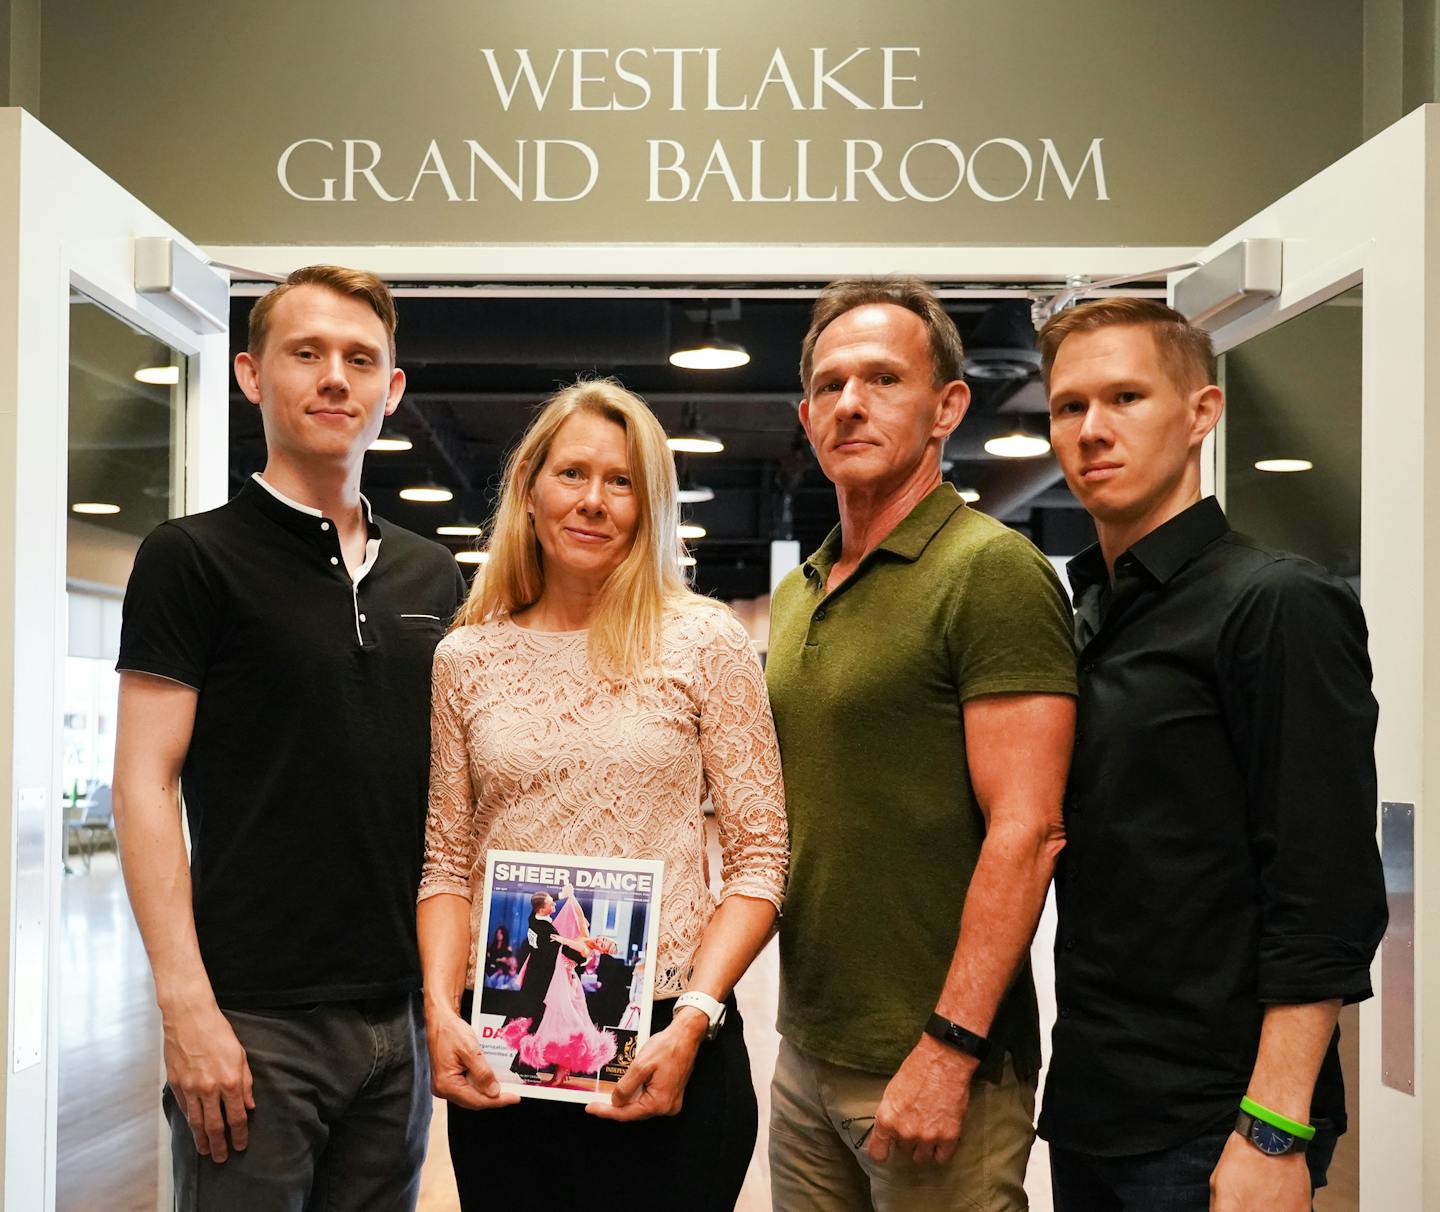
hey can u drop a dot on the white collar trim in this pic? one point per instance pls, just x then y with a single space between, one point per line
306 509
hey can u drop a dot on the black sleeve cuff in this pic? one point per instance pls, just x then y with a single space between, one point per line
160 669
1298 969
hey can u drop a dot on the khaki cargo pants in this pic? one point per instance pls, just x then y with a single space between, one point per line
819 1119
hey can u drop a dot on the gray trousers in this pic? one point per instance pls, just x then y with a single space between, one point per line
341 1119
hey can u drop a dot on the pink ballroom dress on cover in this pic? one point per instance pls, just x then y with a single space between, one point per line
566 1038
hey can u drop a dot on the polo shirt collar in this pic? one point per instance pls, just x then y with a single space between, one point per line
907 540
306 509
1162 553
301 520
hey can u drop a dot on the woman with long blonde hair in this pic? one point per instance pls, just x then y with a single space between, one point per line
587 702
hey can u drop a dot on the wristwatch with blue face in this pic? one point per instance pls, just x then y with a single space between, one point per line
1270 1140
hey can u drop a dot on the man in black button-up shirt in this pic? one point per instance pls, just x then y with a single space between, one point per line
1220 893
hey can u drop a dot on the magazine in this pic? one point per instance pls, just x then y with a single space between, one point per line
565 983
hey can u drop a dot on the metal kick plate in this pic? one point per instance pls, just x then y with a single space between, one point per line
1397 952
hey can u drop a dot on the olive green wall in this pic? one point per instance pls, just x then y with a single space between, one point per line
20 53
1204 112
1402 59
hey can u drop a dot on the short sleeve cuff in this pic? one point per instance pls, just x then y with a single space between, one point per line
131 663
1018 684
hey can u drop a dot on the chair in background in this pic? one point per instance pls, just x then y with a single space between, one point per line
96 826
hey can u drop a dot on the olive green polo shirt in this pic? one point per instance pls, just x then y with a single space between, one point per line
867 685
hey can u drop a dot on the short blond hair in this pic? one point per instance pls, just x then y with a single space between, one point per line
625 629
1186 351
353 283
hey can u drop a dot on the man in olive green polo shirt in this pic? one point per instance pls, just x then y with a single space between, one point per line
921 674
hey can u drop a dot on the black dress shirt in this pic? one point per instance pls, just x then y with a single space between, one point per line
1220 820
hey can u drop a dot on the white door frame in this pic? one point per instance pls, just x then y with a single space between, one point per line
1363 219
64 226
513 267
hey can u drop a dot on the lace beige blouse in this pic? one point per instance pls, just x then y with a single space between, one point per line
531 751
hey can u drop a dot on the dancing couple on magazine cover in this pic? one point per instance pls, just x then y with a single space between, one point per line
554 1027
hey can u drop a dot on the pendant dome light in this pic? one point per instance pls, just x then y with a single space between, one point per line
1018 445
427 493
711 352
391 442
690 438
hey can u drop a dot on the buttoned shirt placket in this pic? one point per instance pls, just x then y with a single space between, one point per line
372 548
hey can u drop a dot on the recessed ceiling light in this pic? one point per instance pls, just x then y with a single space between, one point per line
428 493
391 443
687 561
693 494
1283 465
969 496
95 507
460 530
160 376
1018 445
695 441
472 557
691 530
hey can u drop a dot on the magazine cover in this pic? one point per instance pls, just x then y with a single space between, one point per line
564 998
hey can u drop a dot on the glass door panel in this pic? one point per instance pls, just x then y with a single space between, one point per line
125 467
1291 442
1289 470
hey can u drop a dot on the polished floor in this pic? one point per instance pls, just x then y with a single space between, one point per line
110 1064
110 1068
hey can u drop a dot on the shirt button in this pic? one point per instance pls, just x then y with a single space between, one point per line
362 618
1064 1011
324 525
1069 944
820 615
334 559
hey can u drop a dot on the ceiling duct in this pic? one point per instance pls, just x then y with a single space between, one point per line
1002 347
1003 365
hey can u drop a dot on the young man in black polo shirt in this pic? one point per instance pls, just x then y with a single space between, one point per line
275 662
1220 893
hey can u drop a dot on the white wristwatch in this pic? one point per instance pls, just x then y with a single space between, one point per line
708 1006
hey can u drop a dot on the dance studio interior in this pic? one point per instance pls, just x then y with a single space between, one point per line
669 221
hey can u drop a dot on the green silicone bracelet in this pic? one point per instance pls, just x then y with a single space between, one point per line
1276 1120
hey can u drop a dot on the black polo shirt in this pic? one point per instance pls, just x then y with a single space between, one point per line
1220 824
305 780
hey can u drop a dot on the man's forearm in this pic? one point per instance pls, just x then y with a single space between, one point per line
1293 1040
157 878
442 923
1002 907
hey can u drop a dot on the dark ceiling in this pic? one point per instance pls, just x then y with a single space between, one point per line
478 366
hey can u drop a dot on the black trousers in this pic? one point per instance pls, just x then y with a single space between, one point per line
552 1155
